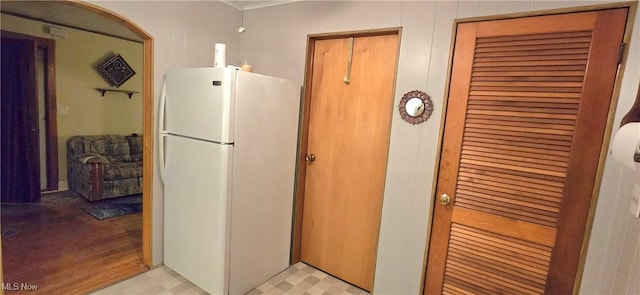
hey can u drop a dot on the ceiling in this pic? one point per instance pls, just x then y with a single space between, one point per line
69 15
246 5
65 14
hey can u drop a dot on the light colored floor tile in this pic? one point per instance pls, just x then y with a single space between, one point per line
299 279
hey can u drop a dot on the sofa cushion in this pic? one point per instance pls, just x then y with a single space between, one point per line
135 146
114 147
91 158
122 170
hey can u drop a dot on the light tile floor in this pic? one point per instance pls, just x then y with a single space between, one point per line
299 279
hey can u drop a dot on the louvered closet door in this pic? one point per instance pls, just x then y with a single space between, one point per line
526 116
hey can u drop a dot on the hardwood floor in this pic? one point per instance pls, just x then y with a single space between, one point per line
57 248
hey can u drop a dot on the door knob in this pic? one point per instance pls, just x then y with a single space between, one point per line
310 158
445 199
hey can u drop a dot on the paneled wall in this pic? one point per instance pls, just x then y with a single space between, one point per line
184 35
274 44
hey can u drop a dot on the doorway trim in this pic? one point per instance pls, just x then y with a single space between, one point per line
147 116
632 6
303 136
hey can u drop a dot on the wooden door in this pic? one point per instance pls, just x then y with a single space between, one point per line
348 135
20 180
528 105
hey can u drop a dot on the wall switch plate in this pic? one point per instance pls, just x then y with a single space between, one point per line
63 110
634 208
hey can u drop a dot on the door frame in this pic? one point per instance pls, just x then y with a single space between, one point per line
148 138
632 6
303 136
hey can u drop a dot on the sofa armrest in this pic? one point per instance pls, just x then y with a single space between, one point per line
91 158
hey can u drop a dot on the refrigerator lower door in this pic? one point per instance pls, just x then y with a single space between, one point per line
196 203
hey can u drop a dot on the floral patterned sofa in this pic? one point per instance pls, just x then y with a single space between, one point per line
105 166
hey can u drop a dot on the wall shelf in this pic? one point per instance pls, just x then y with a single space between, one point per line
130 93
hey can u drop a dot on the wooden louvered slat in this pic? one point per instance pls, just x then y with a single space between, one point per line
530 110
525 89
542 73
513 68
583 55
500 113
508 120
516 136
474 283
508 210
529 210
501 179
546 204
528 79
507 176
509 104
486 277
517 142
541 205
496 185
520 128
542 137
528 42
507 242
453 282
549 36
511 174
551 54
543 202
455 290
482 260
516 164
530 62
488 148
507 165
488 257
512 140
537 47
479 240
524 157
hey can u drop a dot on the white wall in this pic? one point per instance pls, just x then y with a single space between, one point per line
184 36
275 43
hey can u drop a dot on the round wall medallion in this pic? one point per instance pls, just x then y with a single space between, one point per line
415 107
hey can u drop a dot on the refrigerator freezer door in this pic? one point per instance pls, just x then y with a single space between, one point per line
200 103
196 197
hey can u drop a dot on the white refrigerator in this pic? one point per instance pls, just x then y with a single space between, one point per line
228 144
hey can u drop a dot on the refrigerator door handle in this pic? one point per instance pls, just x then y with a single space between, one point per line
162 135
